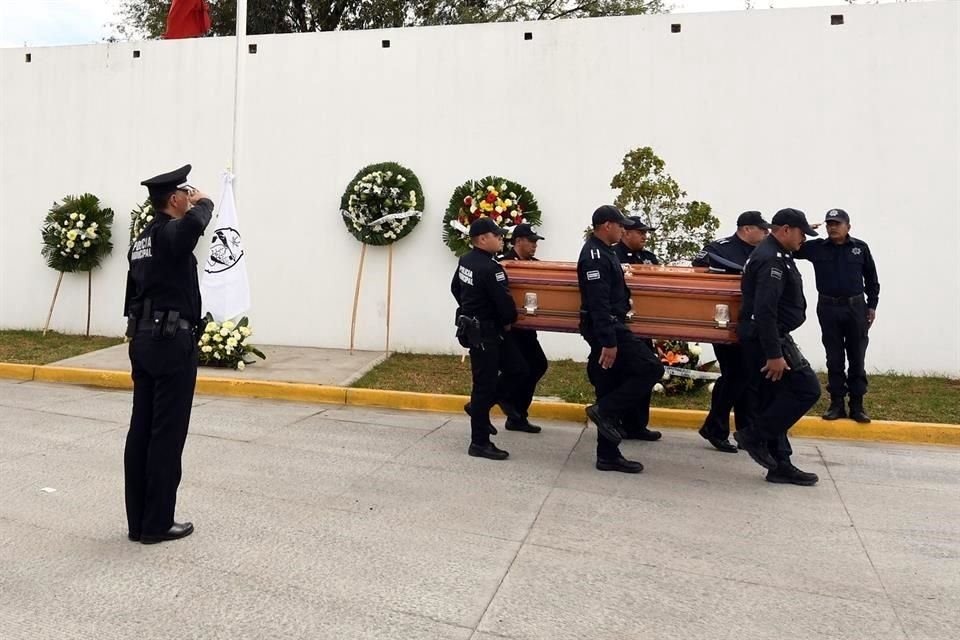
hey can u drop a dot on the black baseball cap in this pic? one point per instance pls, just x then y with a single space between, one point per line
637 224
164 184
754 218
524 230
793 218
837 215
609 213
481 226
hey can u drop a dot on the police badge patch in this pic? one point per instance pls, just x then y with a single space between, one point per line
856 251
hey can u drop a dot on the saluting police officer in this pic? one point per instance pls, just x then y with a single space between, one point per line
845 270
781 383
485 315
525 241
728 255
163 309
621 367
632 250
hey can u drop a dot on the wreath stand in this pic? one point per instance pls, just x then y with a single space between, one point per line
56 292
356 294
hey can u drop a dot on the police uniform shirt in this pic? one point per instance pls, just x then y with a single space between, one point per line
732 248
512 255
482 290
604 295
628 256
163 268
773 303
843 270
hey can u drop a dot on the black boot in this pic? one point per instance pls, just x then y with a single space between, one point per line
836 410
757 448
606 425
487 450
786 473
856 410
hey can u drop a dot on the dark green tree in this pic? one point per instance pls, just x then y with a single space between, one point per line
647 190
147 18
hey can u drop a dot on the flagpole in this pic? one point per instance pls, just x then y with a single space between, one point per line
238 81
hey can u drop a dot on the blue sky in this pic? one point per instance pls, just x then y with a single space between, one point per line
58 22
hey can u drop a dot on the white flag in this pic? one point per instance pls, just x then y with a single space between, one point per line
225 289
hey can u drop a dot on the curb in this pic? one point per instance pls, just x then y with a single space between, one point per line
808 426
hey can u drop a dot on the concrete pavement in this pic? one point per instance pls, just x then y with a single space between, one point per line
321 521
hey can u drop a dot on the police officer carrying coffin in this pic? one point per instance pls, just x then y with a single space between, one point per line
782 386
485 315
163 308
845 270
632 246
728 255
621 366
525 248
631 250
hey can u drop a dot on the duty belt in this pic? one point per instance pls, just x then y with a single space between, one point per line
842 299
147 325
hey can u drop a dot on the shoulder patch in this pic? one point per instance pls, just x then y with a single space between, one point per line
593 275
723 241
856 251
776 273
501 276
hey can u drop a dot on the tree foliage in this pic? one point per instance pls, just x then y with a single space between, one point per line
147 18
647 190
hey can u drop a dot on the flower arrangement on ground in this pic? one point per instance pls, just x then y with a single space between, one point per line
76 234
684 372
225 344
382 204
506 202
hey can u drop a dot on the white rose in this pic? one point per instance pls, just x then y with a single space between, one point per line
235 335
245 331
211 327
86 243
241 365
217 356
79 224
658 388
77 257
72 234
229 325
695 349
231 343
224 332
94 225
207 348
205 338
73 216
218 338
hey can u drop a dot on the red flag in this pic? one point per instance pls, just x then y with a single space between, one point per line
187 19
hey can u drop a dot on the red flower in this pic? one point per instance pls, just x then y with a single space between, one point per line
491 198
468 201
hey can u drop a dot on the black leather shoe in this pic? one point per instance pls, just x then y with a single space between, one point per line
606 426
175 532
488 450
720 445
836 410
856 411
757 449
786 473
642 434
513 415
524 426
621 464
492 429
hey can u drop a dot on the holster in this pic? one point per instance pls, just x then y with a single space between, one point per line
469 334
792 354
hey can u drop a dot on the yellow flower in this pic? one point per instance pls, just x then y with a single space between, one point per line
508 203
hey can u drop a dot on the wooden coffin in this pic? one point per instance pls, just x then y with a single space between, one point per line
668 302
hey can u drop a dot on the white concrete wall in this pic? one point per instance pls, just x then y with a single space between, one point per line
750 110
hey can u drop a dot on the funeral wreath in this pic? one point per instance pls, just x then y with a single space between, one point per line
76 234
226 344
683 371
506 202
139 219
382 204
